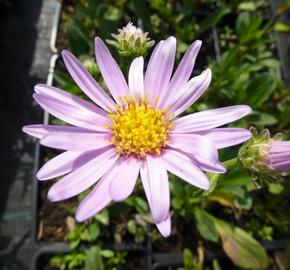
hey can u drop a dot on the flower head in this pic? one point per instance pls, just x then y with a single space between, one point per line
131 41
264 156
134 131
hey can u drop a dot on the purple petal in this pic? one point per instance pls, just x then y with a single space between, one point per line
74 101
201 149
75 115
190 93
123 178
110 70
76 141
209 119
280 157
136 78
183 72
84 177
95 202
64 163
160 68
164 227
155 182
225 137
279 146
39 131
182 166
282 166
86 82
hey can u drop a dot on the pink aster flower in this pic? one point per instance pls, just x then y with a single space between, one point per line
135 130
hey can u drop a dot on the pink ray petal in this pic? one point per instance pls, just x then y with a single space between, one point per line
74 101
183 167
190 93
123 178
160 68
279 146
199 148
182 73
39 131
86 82
136 78
74 115
225 137
77 141
164 227
209 119
84 177
280 157
110 70
155 182
96 201
282 166
196 145
64 163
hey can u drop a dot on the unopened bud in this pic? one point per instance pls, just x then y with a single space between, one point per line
131 41
264 156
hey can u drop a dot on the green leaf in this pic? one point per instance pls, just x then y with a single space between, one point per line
107 253
187 259
271 63
247 6
213 18
131 225
103 217
275 188
215 265
93 231
282 27
262 119
139 204
242 248
248 27
260 89
113 13
93 259
205 225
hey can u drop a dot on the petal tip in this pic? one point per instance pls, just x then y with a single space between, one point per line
65 53
26 129
41 176
79 218
198 43
98 40
205 185
52 195
165 227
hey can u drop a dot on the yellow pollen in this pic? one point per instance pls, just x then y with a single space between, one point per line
138 128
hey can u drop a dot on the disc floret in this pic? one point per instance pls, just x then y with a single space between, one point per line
139 128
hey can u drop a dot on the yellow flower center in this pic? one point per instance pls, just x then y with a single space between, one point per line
138 128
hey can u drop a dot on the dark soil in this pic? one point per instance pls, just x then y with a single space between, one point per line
52 226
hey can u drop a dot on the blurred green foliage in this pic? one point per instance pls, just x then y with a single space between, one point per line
239 46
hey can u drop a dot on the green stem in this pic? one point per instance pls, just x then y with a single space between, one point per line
213 177
229 164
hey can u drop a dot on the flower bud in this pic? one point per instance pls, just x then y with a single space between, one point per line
131 41
264 156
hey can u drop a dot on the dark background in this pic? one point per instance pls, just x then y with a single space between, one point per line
25 27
